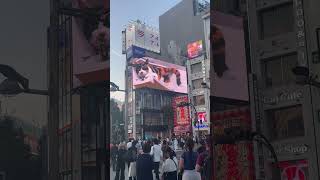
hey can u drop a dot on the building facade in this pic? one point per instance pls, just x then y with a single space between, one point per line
283 35
78 102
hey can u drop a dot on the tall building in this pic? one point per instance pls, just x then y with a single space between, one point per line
180 27
148 111
283 35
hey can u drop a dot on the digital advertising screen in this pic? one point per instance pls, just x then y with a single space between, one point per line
228 71
195 49
90 43
202 120
152 73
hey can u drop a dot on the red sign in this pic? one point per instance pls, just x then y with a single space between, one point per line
294 170
195 49
181 115
233 161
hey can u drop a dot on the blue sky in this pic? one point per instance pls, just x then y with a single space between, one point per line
122 11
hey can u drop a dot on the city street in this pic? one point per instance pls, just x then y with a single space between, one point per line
113 173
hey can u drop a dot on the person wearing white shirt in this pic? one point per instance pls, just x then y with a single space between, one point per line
170 165
175 144
156 153
129 144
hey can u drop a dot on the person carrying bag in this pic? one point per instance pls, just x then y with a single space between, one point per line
170 165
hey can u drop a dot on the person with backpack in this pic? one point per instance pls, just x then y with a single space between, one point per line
145 164
204 161
188 161
132 158
170 165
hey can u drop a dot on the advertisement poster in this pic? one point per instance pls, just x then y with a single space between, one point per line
228 58
294 170
195 49
233 161
202 120
90 44
152 73
181 115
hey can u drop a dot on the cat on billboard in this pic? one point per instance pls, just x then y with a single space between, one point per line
228 57
219 53
90 43
152 73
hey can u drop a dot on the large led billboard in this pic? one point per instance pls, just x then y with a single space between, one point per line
90 43
228 59
152 73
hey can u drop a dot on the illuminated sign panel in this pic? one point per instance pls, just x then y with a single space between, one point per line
195 49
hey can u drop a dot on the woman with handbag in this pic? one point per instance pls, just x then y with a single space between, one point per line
188 162
170 165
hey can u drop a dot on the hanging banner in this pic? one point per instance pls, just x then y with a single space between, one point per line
181 115
233 161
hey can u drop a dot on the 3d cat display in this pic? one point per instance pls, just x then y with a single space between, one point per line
144 70
218 51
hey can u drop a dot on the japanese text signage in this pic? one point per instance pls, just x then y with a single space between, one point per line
300 30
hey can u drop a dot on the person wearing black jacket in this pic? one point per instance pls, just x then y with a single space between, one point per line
113 153
132 158
145 164
121 163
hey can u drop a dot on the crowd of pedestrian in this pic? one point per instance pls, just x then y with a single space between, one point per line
157 159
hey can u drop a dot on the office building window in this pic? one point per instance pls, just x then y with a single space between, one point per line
285 122
196 68
152 119
196 84
278 70
276 20
199 100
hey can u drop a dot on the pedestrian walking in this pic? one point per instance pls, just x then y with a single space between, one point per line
204 161
202 147
113 153
188 161
175 144
121 162
164 145
156 153
132 158
170 165
145 164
